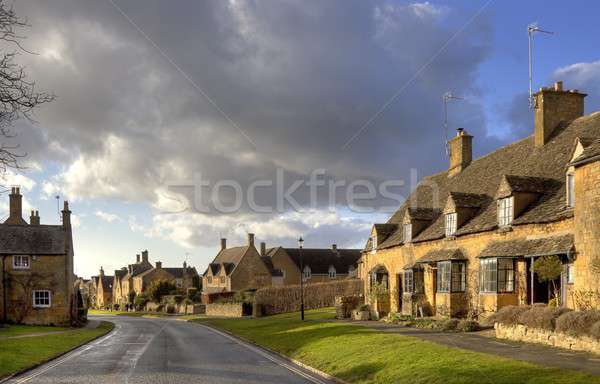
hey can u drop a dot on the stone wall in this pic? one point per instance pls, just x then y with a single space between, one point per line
344 305
225 310
521 332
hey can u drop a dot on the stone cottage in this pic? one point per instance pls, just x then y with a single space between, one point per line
37 279
182 278
123 288
467 238
104 290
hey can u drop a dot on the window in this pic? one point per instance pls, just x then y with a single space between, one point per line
570 270
332 272
418 281
443 276
570 190
505 211
459 277
42 299
222 279
351 271
373 243
408 281
450 224
497 275
179 283
407 232
209 279
307 273
21 262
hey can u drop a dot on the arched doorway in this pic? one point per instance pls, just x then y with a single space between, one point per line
379 287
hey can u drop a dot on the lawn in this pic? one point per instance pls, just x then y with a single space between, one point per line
362 355
21 353
19 330
144 314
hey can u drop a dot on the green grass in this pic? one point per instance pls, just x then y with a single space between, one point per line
144 314
114 313
19 330
23 353
362 355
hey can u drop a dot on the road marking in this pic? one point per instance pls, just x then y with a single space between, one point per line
264 354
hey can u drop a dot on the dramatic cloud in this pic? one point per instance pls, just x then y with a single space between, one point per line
240 91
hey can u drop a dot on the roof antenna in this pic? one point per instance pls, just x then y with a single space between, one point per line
58 207
448 96
531 29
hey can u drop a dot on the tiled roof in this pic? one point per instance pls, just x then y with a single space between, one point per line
483 176
468 200
442 255
32 239
554 245
319 259
591 151
107 282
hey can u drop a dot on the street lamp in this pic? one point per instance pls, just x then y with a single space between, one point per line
300 244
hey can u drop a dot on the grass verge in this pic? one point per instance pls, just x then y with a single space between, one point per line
144 314
20 330
19 354
361 355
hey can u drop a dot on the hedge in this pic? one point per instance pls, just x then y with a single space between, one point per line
273 300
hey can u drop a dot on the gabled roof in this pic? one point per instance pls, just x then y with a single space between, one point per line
483 177
139 268
319 259
591 151
228 258
32 240
513 184
119 273
107 282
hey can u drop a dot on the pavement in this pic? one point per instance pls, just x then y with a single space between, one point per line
155 350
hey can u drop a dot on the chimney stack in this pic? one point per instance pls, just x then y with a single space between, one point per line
158 265
66 215
263 248
34 219
223 243
334 247
101 271
554 106
15 207
251 239
137 258
461 152
145 255
184 265
130 269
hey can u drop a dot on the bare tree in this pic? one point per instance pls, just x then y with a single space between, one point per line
18 94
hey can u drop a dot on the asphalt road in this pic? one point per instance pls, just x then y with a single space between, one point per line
142 350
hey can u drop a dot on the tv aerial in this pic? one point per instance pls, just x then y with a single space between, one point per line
448 97
531 30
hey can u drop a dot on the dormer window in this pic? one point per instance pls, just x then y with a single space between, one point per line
570 190
373 243
450 224
332 272
505 211
407 231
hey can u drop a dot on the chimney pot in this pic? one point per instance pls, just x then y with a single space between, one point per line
223 243
158 265
263 248
250 239
145 255
558 86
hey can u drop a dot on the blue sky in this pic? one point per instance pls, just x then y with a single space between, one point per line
149 97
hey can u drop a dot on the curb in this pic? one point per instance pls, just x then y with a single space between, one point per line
280 355
37 365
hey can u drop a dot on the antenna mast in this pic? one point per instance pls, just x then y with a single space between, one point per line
447 97
58 207
531 29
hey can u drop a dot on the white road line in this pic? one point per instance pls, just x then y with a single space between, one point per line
259 351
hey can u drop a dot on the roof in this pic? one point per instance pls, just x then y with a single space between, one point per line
229 258
591 151
178 272
520 159
443 254
32 239
554 245
107 282
119 273
468 200
139 268
319 259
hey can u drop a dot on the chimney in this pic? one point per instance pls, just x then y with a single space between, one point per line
34 219
184 265
158 265
554 106
461 152
101 271
251 239
137 258
145 255
130 269
223 244
15 209
263 248
334 247
66 215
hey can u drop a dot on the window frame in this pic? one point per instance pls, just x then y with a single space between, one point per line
570 190
34 302
495 278
21 258
506 211
451 223
458 277
503 283
374 243
221 279
444 276
407 232
307 272
408 276
570 273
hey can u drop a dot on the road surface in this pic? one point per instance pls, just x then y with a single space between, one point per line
143 350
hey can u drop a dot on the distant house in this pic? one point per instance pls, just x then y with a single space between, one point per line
37 280
123 287
104 290
182 278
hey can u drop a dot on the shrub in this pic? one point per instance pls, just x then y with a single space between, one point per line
541 317
140 302
595 331
577 323
548 268
160 288
363 308
244 297
507 315
467 326
449 325
116 307
178 299
193 294
171 308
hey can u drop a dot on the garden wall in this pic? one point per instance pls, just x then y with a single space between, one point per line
225 310
521 332
273 300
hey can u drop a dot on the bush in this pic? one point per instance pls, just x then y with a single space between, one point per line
467 326
140 302
116 307
364 308
541 317
244 297
171 308
178 299
449 325
595 331
160 288
193 294
577 323
507 315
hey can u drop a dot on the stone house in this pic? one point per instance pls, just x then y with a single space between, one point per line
37 279
104 290
237 269
319 264
467 238
182 278
123 287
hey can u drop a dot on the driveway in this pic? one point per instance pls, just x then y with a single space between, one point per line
143 350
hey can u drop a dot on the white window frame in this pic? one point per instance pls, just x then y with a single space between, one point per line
570 190
34 302
17 262
374 243
408 281
407 232
307 272
451 224
570 273
506 209
332 272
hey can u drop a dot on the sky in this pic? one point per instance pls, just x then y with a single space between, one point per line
167 113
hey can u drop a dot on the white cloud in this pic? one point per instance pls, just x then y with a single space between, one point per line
108 217
579 73
12 178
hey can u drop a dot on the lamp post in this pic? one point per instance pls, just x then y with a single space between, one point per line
300 244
